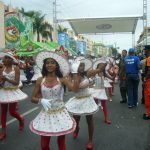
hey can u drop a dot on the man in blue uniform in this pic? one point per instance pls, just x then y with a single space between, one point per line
132 64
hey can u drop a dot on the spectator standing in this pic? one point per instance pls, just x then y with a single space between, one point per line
132 65
122 77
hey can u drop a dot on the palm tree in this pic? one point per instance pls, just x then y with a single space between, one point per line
27 13
39 25
61 29
47 31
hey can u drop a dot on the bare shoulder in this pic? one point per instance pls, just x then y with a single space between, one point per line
39 80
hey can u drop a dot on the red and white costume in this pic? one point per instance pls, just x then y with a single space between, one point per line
56 121
83 103
10 93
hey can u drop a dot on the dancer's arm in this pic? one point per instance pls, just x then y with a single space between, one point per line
36 95
74 85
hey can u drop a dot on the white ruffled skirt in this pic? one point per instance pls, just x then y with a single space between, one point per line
99 94
11 96
109 80
107 84
53 124
82 106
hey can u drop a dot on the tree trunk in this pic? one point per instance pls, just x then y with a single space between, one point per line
38 36
51 37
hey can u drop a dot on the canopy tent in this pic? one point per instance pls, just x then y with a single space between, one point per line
26 53
48 45
104 25
38 46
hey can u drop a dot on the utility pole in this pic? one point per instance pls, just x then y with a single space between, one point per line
145 21
55 19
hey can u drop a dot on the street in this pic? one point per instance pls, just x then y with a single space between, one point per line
128 130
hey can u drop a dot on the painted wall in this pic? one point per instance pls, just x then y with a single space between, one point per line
2 35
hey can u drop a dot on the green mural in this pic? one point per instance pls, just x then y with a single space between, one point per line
18 30
27 34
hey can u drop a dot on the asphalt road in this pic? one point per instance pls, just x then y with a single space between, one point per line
128 130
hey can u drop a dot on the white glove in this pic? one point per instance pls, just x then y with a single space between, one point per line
75 66
46 103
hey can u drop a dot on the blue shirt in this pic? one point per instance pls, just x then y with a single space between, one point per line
131 64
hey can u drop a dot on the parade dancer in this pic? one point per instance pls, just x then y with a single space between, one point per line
110 77
10 94
53 120
83 103
99 92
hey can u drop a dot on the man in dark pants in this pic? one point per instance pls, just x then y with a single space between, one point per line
122 77
132 65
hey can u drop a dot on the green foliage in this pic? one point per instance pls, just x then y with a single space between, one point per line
61 29
114 51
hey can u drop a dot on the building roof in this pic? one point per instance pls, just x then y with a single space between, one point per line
104 25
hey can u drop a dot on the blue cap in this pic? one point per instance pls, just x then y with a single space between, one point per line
131 50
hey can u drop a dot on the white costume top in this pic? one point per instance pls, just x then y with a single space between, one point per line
11 93
83 103
57 120
99 88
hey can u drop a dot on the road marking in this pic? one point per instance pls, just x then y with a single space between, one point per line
24 114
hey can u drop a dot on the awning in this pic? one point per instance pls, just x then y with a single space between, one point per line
104 25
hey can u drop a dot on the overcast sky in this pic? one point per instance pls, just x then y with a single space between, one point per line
91 8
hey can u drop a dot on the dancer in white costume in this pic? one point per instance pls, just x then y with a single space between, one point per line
99 91
22 66
53 120
110 76
83 103
10 94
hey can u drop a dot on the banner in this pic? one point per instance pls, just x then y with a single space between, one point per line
63 39
81 47
27 34
73 44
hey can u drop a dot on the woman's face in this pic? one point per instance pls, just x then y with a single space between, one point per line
81 68
51 65
7 60
101 66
